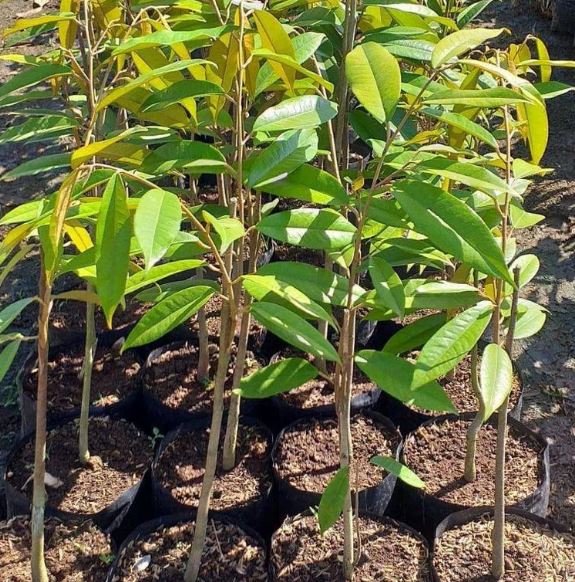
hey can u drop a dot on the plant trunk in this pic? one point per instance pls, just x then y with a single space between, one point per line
231 439
346 446
39 573
498 534
470 473
195 557
89 354
203 373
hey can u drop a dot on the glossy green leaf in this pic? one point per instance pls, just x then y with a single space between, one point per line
293 329
399 470
494 97
37 129
460 42
33 76
39 165
415 334
530 319
471 12
287 153
156 223
12 311
309 184
450 344
7 356
170 38
167 314
387 284
228 229
177 92
528 266
317 283
311 228
453 226
463 124
142 278
495 378
277 378
271 289
191 157
333 499
306 111
396 377
375 79
113 234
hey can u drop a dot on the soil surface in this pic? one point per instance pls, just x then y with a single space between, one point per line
307 454
71 316
74 553
437 455
532 552
230 555
390 552
120 454
180 468
171 378
319 392
114 377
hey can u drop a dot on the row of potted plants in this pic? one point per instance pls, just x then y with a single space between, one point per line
373 151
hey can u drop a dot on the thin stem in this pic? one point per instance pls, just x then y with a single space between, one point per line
39 573
89 354
470 473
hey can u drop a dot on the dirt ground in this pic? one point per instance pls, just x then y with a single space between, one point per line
548 361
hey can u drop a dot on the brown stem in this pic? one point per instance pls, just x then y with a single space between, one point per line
195 557
39 573
89 354
470 472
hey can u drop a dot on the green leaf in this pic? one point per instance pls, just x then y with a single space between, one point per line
530 319
375 79
12 311
469 174
177 92
450 344
157 223
460 42
471 12
306 111
228 229
309 184
37 129
40 165
170 38
494 97
387 285
271 289
7 356
333 499
277 378
453 226
310 228
294 330
33 76
287 153
192 157
415 334
113 233
317 283
172 311
144 278
528 266
399 470
463 124
396 377
520 218
495 379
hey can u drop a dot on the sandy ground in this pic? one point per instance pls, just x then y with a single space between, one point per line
548 361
